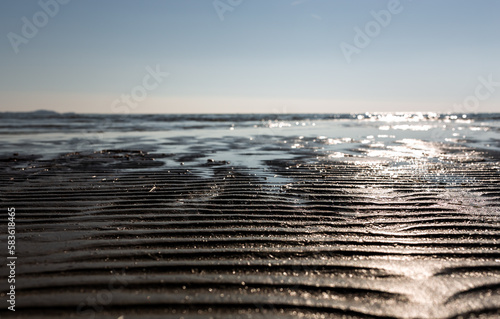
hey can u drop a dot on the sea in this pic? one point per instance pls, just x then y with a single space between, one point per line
249 140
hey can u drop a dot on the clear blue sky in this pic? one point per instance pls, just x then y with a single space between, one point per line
265 56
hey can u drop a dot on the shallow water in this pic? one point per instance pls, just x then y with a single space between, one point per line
251 139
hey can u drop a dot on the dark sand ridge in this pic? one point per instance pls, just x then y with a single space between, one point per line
117 233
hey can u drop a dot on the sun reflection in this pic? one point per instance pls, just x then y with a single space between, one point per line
408 148
406 127
414 117
277 124
400 117
336 155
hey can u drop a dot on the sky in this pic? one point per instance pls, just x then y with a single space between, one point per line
250 56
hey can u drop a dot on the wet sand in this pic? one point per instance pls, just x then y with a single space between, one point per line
123 234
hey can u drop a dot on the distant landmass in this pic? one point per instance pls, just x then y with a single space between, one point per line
37 112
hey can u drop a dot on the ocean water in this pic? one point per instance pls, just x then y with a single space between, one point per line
249 140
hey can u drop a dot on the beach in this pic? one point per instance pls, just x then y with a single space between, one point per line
251 216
